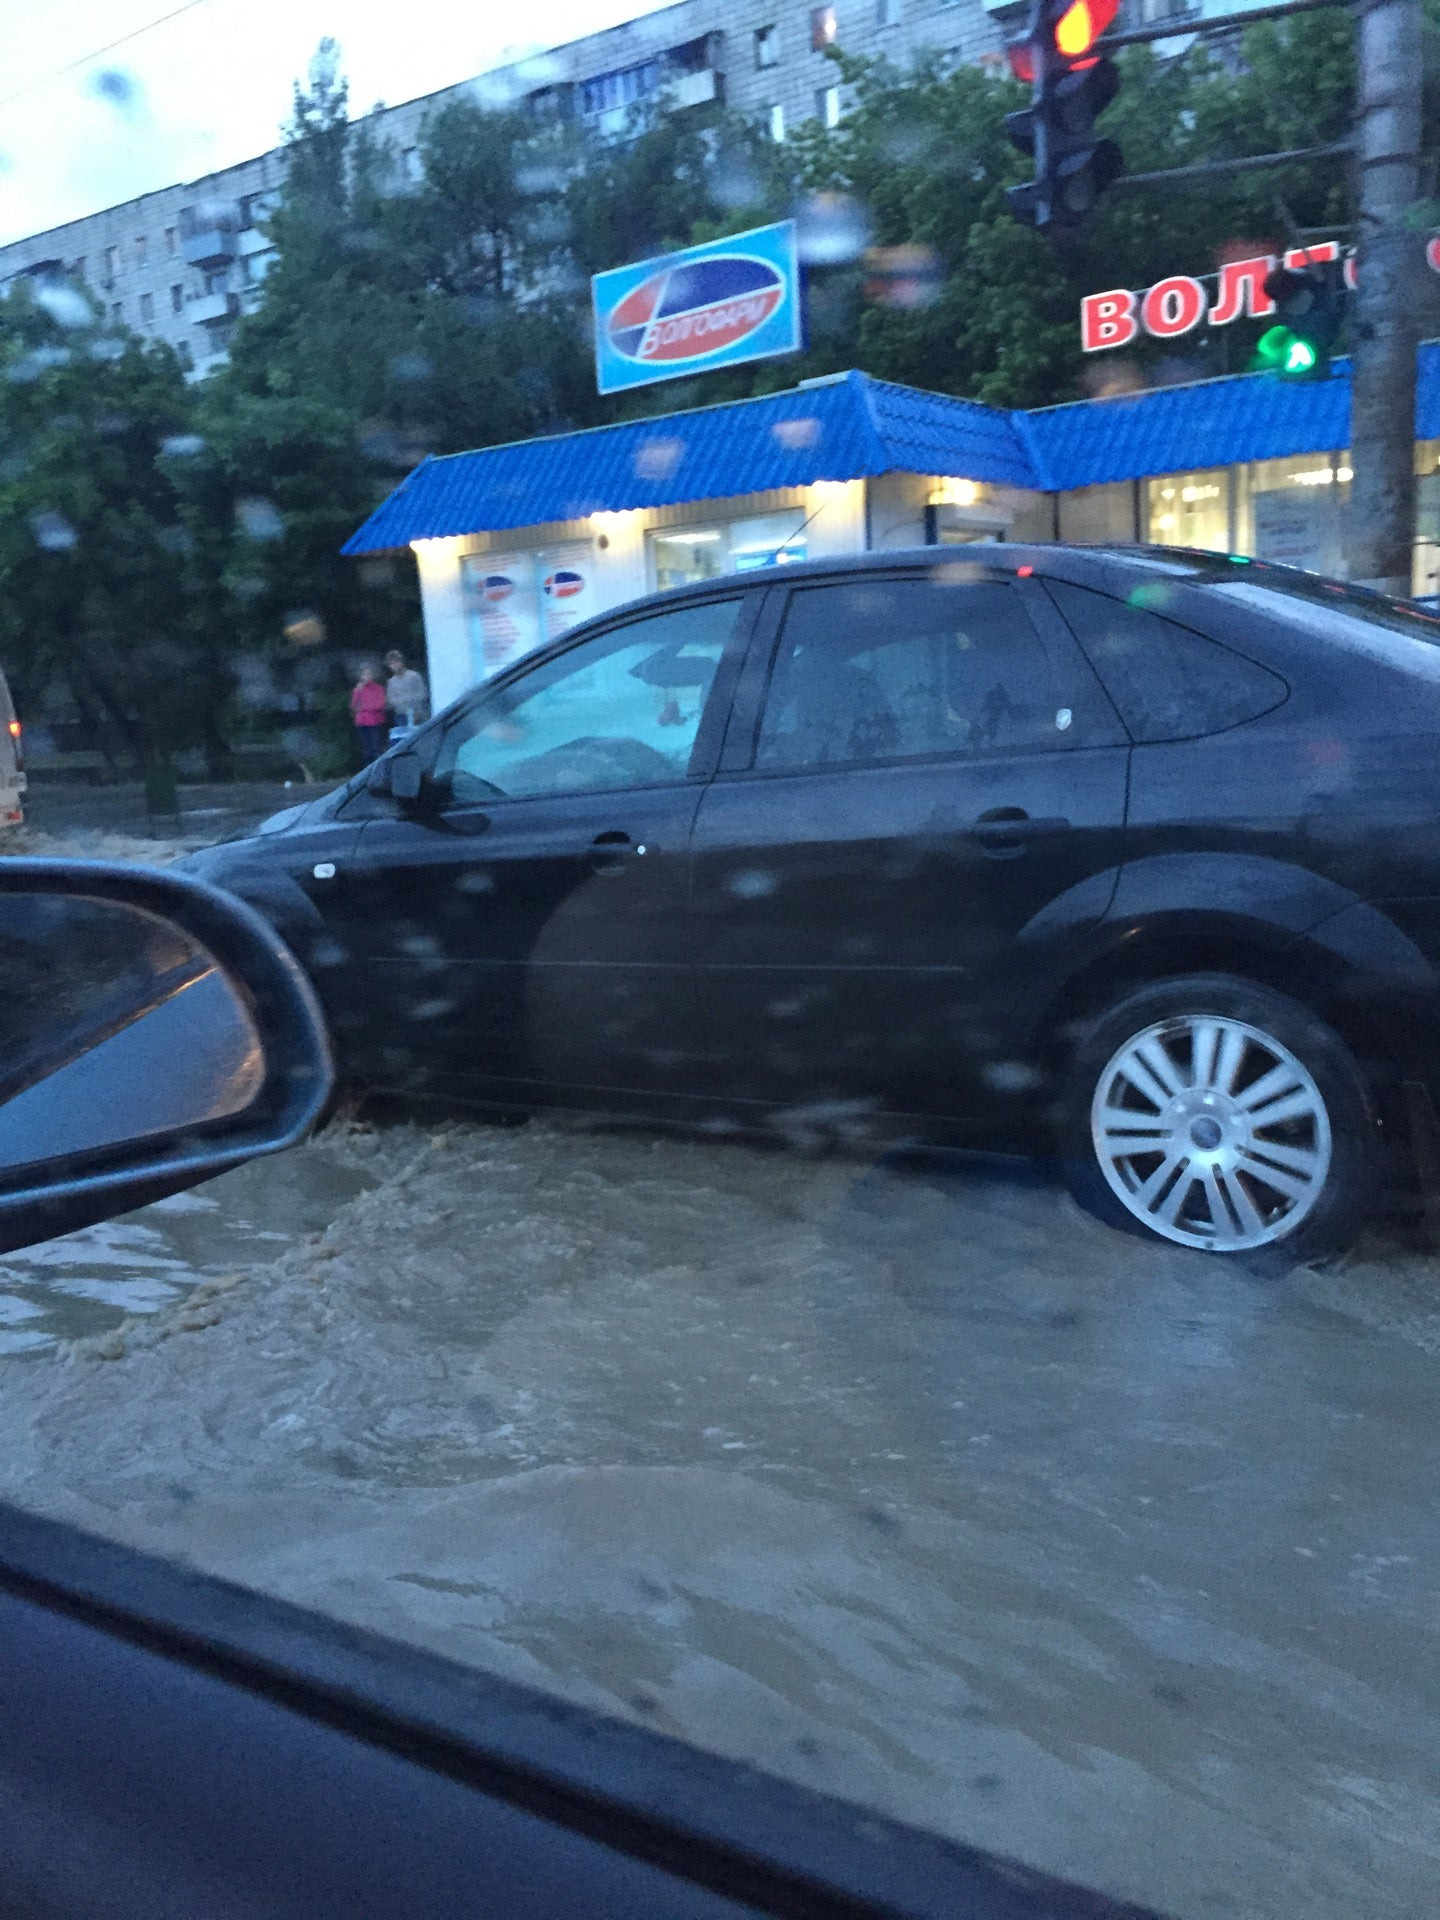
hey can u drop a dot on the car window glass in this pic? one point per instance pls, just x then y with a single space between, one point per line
1168 682
621 710
899 669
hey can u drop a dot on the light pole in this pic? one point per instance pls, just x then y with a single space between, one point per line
1385 328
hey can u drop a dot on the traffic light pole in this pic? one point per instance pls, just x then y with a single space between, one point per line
1382 429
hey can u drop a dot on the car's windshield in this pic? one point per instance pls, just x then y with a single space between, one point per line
837 700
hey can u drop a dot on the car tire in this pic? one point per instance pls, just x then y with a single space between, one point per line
1211 1112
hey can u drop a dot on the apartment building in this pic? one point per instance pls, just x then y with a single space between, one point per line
182 263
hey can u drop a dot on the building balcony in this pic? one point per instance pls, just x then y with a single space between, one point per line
213 309
252 240
209 247
693 89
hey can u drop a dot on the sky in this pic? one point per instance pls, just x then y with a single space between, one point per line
212 85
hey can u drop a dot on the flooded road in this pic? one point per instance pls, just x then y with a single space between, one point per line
901 1476
89 1283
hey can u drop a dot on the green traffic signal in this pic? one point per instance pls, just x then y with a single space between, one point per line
1310 308
1300 357
1282 351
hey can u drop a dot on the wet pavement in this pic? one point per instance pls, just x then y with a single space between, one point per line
897 1474
80 819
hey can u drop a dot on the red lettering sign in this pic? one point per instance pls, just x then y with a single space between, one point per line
1242 291
1176 304
1108 320
1173 306
1316 256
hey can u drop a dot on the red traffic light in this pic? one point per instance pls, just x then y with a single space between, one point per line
1081 25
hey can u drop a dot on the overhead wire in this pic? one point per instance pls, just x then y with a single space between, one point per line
98 53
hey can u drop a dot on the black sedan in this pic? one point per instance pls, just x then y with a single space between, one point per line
1140 846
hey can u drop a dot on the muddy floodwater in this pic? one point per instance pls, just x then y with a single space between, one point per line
90 1283
900 1476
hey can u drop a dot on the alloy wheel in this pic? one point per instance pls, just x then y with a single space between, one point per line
1211 1133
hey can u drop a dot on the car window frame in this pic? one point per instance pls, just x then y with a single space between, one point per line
1096 723
704 753
1187 627
543 1777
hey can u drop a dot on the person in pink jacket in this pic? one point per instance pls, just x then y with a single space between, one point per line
367 709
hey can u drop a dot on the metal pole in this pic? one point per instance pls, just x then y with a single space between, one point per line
1245 163
1382 432
1215 23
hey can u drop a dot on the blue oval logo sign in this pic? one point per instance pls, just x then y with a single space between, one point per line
685 312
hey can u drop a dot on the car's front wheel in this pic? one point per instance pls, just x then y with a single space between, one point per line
1222 1115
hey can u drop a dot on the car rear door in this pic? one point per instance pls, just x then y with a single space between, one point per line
922 794
526 929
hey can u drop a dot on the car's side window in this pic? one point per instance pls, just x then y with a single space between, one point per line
621 710
1168 682
879 670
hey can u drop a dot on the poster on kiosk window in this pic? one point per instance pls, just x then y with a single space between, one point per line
515 602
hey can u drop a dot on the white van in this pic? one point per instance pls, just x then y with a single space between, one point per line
12 761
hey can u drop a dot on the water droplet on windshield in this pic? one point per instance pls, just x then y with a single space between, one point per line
831 228
53 531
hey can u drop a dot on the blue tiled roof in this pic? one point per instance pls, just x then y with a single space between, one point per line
853 427
1214 423
843 429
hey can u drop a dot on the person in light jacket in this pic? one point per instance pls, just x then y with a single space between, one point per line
406 693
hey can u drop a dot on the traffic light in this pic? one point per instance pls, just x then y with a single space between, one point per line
1072 86
1309 310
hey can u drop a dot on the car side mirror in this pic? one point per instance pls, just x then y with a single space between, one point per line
153 1032
407 777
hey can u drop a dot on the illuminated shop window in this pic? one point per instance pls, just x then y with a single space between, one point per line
1189 510
679 556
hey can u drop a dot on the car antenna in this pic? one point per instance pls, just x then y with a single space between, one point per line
774 558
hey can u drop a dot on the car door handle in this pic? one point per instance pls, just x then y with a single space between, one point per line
612 852
1004 832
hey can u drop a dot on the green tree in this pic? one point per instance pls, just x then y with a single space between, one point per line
95 586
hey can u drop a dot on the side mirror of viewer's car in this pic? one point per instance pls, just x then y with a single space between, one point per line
153 1032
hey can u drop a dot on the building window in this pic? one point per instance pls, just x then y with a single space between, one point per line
622 88
823 28
767 46
112 262
777 124
682 555
142 248
147 307
827 106
411 165
117 312
177 299
1189 510
218 280
546 105
170 243
1291 511
887 13
77 267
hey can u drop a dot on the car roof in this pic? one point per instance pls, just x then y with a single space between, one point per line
1092 565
